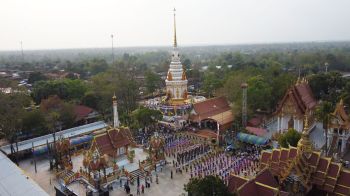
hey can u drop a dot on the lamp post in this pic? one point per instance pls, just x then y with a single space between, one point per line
112 36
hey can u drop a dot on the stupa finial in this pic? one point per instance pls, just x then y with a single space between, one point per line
175 41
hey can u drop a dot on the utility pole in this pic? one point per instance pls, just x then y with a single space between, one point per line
22 51
244 87
112 36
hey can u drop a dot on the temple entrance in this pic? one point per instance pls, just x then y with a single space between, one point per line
210 124
291 123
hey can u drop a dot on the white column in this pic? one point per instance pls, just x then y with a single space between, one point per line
294 123
343 145
297 122
330 136
282 123
278 123
115 114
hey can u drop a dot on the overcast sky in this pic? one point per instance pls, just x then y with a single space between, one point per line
51 24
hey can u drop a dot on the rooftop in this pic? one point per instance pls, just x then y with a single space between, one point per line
13 181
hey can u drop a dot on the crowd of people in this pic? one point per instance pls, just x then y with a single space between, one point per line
200 159
142 136
222 165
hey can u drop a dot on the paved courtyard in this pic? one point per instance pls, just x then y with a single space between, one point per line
166 186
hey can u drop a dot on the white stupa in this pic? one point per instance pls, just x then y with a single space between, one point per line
176 81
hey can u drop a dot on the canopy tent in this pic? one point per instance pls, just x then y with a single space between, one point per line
256 131
252 139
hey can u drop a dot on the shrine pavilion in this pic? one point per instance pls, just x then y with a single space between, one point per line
115 141
339 130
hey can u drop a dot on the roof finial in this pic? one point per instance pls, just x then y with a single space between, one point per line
175 41
306 122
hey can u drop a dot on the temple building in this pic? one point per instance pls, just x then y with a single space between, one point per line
214 113
115 141
176 81
339 130
293 106
295 171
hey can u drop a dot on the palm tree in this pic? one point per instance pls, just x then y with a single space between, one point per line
323 112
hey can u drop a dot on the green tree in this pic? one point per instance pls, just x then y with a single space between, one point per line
66 89
187 63
323 112
346 92
259 93
207 186
34 122
211 83
91 99
291 137
153 81
11 115
327 86
36 76
118 81
59 114
144 117
96 66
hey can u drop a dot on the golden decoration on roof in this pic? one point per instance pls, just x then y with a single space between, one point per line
170 76
184 76
304 144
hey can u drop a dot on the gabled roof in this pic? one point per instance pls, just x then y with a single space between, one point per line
301 96
110 140
340 112
235 182
216 108
81 111
264 184
325 174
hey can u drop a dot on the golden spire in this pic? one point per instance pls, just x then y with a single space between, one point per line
304 144
114 98
175 41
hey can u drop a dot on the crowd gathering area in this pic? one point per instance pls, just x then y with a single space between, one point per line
185 157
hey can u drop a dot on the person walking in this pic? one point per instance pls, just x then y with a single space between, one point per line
171 174
157 178
138 190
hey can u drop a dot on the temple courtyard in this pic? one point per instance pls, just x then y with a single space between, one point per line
46 178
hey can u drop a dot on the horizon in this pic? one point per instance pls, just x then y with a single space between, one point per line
184 46
43 25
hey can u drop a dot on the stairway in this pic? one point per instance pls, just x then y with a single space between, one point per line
135 173
68 177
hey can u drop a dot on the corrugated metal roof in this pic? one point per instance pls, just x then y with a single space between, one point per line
68 133
14 182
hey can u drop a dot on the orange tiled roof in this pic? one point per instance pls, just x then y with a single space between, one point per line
325 174
109 141
216 108
264 184
302 97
